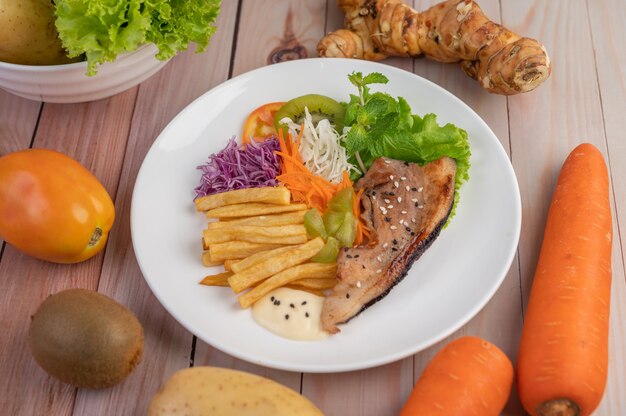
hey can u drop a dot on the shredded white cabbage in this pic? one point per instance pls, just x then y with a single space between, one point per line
320 148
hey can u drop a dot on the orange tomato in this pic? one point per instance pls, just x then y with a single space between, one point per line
51 207
260 122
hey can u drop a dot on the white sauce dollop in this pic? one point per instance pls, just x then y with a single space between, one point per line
290 313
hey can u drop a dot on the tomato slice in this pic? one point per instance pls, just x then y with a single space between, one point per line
260 123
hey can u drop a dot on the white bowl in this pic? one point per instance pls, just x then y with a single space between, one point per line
69 84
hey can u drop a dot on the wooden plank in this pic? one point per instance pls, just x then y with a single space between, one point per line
18 118
290 30
377 391
607 29
88 133
545 126
167 344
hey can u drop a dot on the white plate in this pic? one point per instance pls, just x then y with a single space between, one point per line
452 281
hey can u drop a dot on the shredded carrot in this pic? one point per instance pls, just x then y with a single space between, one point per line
311 189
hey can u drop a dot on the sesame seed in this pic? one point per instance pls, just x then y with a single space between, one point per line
403 178
408 188
412 220
391 177
399 199
420 189
272 298
291 305
403 212
306 314
420 206
286 317
373 197
414 199
396 184
387 162
303 303
393 227
386 201
379 259
382 209
385 245
389 206
358 283
379 270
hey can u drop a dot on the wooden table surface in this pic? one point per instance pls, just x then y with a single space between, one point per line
583 101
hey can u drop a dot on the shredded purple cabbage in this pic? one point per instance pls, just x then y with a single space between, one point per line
234 167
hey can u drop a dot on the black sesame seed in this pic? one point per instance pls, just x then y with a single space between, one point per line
416 205
387 219
374 193
286 316
394 249
277 303
406 163
306 314
356 256
362 265
412 233
395 241
348 256
291 305
408 229
414 189
303 303
347 296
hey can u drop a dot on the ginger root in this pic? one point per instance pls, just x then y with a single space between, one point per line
451 31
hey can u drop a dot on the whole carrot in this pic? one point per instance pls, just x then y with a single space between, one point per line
469 376
563 356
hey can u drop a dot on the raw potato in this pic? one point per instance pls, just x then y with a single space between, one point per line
28 35
451 31
221 392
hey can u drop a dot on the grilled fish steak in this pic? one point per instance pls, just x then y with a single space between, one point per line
406 205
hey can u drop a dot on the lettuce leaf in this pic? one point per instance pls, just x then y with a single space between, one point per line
380 125
103 29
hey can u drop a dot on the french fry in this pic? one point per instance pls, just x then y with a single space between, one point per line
314 283
228 264
269 195
251 209
220 279
206 260
237 250
257 258
292 274
281 234
266 268
295 217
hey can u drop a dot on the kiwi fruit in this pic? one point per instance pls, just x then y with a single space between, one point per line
85 339
319 106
